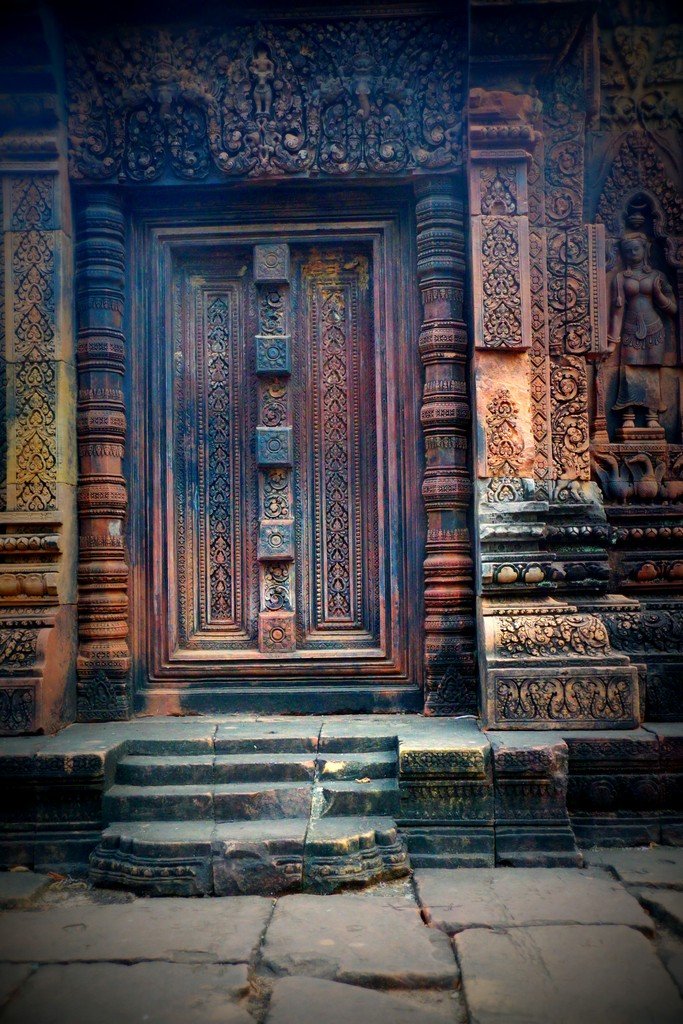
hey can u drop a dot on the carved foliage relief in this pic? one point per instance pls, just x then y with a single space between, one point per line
504 442
640 51
256 100
34 332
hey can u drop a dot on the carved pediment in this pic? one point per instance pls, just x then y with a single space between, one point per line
345 97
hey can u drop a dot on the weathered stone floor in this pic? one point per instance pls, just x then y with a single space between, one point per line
467 946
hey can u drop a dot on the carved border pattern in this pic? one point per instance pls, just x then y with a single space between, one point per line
34 323
257 100
592 699
570 432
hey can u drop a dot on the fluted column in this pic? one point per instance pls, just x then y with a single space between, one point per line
445 416
103 659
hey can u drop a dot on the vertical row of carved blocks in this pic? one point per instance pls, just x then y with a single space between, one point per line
103 659
274 450
445 415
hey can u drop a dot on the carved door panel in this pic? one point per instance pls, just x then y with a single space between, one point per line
276 550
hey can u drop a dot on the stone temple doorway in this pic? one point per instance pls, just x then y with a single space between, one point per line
275 454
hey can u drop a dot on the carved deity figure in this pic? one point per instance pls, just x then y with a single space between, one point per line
640 295
263 70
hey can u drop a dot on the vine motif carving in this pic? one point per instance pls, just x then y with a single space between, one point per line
17 709
277 591
595 698
336 453
18 647
570 438
564 131
504 443
640 71
545 635
568 291
502 302
32 203
218 440
659 630
33 270
255 100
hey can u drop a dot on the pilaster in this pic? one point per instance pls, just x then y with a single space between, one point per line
37 398
545 658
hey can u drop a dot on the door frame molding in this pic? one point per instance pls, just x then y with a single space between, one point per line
440 631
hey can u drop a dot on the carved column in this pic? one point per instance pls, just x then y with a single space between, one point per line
449 624
103 656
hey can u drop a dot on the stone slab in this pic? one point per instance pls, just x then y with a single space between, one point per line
263 857
190 931
382 943
659 865
156 993
565 975
314 1000
519 897
12 977
665 905
279 735
21 888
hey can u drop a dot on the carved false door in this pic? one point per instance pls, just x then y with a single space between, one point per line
275 554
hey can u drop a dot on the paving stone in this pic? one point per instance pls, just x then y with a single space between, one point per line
209 931
516 897
156 993
659 865
565 975
665 905
670 951
314 1001
12 977
21 888
345 938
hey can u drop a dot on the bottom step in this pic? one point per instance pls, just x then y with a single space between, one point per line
201 858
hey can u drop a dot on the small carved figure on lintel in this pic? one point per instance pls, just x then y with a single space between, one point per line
263 70
642 301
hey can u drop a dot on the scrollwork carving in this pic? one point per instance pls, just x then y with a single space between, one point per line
254 101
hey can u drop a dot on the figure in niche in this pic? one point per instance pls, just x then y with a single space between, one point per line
263 70
641 297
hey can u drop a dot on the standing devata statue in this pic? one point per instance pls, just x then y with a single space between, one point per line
639 296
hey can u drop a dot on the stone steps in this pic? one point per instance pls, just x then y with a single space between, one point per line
147 770
264 812
264 857
222 802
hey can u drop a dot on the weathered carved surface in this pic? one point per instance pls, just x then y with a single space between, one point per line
640 72
263 100
540 636
104 658
589 699
504 443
